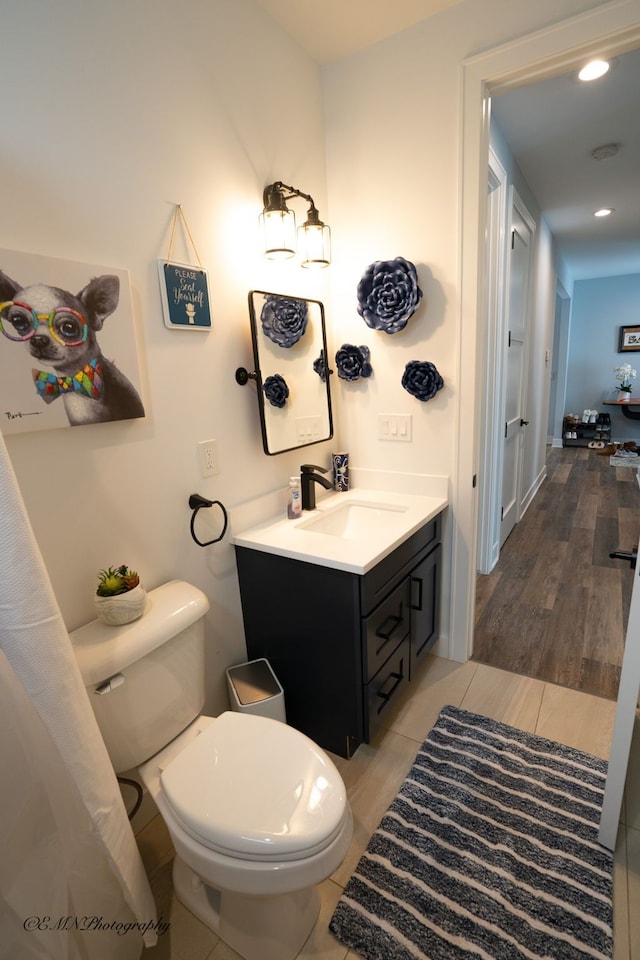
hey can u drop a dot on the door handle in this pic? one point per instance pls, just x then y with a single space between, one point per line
524 423
631 556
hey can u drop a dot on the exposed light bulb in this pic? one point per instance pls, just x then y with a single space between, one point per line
314 244
279 234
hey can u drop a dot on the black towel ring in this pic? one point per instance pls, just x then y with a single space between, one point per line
196 502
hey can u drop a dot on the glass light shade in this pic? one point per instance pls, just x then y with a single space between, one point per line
314 245
278 233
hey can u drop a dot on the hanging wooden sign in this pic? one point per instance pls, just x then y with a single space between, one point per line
184 288
185 296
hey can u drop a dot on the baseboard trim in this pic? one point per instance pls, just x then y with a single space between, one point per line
531 492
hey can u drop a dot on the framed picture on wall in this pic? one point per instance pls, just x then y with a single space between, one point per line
629 341
68 353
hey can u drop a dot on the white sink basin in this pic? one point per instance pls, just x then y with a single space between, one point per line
347 531
355 520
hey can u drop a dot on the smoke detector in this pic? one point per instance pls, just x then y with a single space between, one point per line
606 151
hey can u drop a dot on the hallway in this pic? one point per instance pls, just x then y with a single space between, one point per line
555 606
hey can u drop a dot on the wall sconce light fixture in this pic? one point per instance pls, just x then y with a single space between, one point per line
278 225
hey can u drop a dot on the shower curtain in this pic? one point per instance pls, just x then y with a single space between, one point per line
72 883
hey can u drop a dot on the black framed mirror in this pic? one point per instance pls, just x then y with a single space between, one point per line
291 370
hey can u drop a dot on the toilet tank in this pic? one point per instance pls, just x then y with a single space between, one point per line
145 679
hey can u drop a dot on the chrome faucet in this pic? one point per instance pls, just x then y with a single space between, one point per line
309 476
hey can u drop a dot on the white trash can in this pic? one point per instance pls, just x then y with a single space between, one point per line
254 688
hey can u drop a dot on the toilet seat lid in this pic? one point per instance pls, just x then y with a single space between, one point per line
255 788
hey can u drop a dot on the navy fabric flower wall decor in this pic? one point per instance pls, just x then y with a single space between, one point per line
320 366
388 294
421 379
353 362
276 390
284 319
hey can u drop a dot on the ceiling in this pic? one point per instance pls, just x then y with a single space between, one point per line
331 29
552 126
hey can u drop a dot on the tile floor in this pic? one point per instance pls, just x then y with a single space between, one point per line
373 777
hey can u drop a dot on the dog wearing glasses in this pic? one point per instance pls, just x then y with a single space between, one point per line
60 330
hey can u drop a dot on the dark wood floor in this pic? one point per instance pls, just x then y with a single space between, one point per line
555 607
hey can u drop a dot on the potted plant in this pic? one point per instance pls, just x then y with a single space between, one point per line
625 374
120 597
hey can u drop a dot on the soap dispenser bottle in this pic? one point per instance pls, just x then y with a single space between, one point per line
294 505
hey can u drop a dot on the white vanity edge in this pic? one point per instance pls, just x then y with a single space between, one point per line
286 538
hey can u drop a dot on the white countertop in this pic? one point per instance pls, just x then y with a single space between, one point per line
403 514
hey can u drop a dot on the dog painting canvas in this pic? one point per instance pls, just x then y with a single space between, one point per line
67 345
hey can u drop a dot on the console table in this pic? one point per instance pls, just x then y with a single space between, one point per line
625 406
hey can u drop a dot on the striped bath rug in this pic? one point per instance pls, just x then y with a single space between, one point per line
490 850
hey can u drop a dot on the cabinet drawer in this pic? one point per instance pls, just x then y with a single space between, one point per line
384 689
385 628
375 584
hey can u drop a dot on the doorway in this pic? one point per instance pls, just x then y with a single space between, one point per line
611 30
532 636
516 345
509 254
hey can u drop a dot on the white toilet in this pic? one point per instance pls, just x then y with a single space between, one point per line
257 812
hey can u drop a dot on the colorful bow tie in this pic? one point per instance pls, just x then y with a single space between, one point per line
87 381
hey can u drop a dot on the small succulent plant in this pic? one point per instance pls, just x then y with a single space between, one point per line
116 580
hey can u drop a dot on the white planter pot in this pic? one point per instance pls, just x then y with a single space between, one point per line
123 608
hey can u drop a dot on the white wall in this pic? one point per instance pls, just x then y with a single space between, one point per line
123 110
393 140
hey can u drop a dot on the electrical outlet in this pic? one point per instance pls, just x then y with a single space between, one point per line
208 458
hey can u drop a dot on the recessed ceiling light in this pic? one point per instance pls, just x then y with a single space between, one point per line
593 70
603 212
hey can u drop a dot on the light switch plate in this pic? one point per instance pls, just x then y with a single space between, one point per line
308 428
395 426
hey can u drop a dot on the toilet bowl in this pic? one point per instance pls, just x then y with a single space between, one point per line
258 816
257 812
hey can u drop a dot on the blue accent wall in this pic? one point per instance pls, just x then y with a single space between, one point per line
600 307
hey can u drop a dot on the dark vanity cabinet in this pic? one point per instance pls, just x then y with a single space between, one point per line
343 645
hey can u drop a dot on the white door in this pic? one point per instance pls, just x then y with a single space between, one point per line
490 495
623 728
516 363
